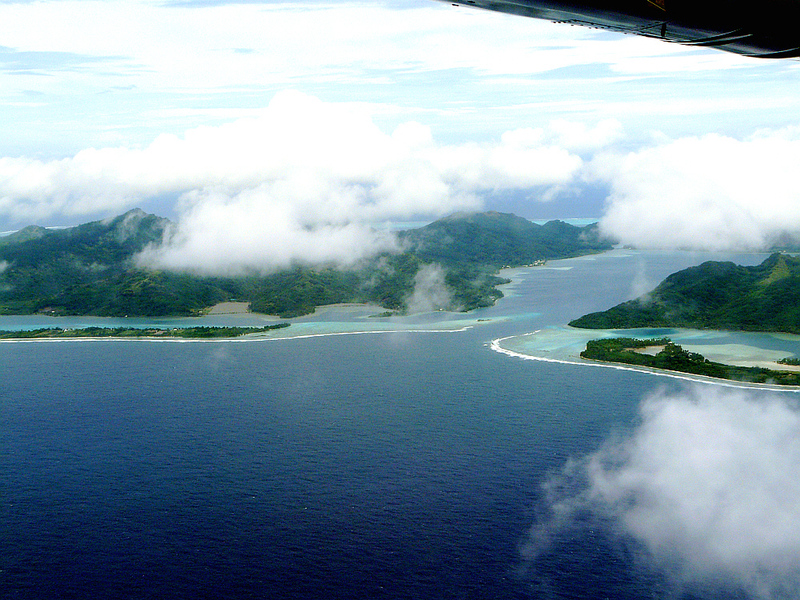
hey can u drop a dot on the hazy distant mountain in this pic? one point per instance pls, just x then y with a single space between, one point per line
31 232
89 269
715 295
106 242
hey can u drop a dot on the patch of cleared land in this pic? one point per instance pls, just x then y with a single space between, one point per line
649 350
230 308
740 355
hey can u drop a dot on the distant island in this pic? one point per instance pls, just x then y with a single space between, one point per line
714 295
662 353
136 332
90 269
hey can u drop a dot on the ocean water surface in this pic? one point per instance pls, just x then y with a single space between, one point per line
414 462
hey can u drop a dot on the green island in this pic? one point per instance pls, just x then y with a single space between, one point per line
714 295
794 362
135 332
95 269
666 355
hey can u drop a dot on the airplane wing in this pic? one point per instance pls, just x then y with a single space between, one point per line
766 29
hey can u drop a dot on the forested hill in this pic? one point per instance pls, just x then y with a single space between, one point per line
715 295
88 269
106 242
500 239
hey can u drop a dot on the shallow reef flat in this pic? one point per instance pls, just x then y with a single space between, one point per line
339 319
739 349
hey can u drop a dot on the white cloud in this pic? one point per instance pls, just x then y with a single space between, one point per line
430 290
579 137
302 165
142 66
232 41
708 485
258 231
711 192
335 166
307 146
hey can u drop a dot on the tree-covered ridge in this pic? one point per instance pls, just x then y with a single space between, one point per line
715 295
500 239
90 269
99 242
31 232
672 357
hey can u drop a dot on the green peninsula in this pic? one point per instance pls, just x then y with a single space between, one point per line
714 295
92 269
662 353
134 332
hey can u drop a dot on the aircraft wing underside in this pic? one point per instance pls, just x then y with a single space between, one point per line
767 29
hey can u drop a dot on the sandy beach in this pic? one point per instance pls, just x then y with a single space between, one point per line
564 344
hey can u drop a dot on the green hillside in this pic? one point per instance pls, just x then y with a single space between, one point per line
715 295
89 269
500 239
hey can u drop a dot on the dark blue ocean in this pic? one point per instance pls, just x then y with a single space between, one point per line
395 465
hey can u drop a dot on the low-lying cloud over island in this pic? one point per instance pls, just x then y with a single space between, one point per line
303 181
706 484
331 115
306 180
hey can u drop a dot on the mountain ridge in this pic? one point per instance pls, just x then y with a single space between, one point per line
501 239
90 269
714 295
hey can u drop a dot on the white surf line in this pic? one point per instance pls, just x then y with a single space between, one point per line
495 345
333 333
246 338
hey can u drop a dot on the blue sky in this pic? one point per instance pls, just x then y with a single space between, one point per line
335 115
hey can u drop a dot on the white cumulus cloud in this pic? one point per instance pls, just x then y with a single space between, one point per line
258 231
710 193
430 290
299 182
708 485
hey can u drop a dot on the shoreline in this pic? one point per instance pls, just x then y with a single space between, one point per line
134 333
495 345
246 338
331 319
222 309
